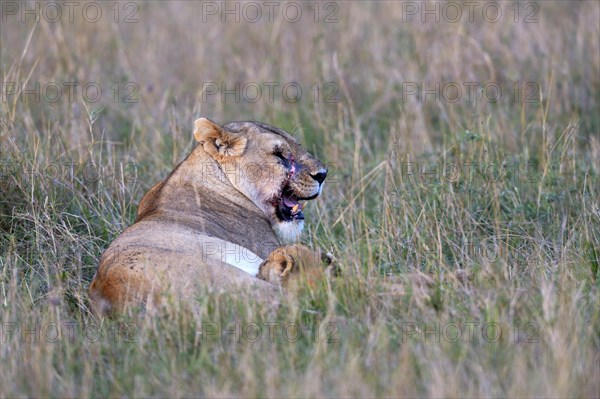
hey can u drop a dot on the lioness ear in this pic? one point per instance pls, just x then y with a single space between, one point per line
216 141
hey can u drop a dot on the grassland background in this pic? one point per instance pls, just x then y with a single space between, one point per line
515 242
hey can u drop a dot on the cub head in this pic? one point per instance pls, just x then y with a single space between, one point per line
292 265
268 166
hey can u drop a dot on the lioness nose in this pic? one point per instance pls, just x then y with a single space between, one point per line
320 177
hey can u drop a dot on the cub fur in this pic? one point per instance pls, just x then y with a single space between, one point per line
292 265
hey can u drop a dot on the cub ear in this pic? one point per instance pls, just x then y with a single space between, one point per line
332 266
216 141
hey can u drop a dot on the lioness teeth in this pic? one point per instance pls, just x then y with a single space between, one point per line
295 208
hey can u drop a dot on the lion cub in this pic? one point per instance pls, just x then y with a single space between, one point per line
291 265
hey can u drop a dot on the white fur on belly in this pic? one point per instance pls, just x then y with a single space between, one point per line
242 258
233 254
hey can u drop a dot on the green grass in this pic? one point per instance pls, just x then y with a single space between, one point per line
445 218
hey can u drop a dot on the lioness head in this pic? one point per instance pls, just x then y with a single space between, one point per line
268 166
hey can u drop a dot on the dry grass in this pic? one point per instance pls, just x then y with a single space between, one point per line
511 240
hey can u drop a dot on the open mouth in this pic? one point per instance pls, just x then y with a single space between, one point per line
288 207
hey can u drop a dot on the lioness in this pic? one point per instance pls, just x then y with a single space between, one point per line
214 221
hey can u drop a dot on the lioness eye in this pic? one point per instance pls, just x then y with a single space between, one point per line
279 154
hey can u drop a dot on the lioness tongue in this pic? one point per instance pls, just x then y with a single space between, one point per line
291 202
